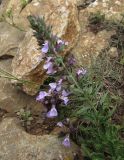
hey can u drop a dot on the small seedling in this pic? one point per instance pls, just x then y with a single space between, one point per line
96 18
25 116
96 22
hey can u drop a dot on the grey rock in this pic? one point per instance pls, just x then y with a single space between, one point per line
10 37
13 99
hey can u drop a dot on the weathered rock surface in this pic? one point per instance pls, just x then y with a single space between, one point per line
62 15
13 99
27 64
10 37
68 23
112 9
89 45
16 144
3 6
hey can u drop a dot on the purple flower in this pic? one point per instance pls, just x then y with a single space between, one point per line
60 42
59 85
53 86
45 47
64 97
64 93
59 46
56 86
81 72
49 67
49 59
52 113
60 81
41 96
60 124
66 142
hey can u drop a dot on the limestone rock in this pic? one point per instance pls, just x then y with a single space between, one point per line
3 6
89 45
16 144
112 9
27 64
10 37
13 99
62 15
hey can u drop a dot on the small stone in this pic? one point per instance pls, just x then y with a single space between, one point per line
113 52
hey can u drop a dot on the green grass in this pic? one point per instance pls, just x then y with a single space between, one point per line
93 107
100 98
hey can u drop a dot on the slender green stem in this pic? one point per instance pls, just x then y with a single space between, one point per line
5 74
69 73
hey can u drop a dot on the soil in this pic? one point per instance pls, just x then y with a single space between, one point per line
38 126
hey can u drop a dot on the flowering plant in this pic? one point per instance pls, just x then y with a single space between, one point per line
81 93
56 93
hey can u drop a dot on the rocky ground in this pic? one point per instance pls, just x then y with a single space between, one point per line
20 56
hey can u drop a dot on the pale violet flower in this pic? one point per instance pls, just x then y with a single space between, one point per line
59 85
41 96
59 41
64 97
60 124
64 93
66 141
65 100
49 67
49 59
60 81
45 47
53 86
60 45
52 113
56 86
81 72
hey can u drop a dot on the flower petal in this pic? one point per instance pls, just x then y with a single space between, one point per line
48 65
41 96
66 142
81 72
45 47
52 113
53 86
60 124
64 93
